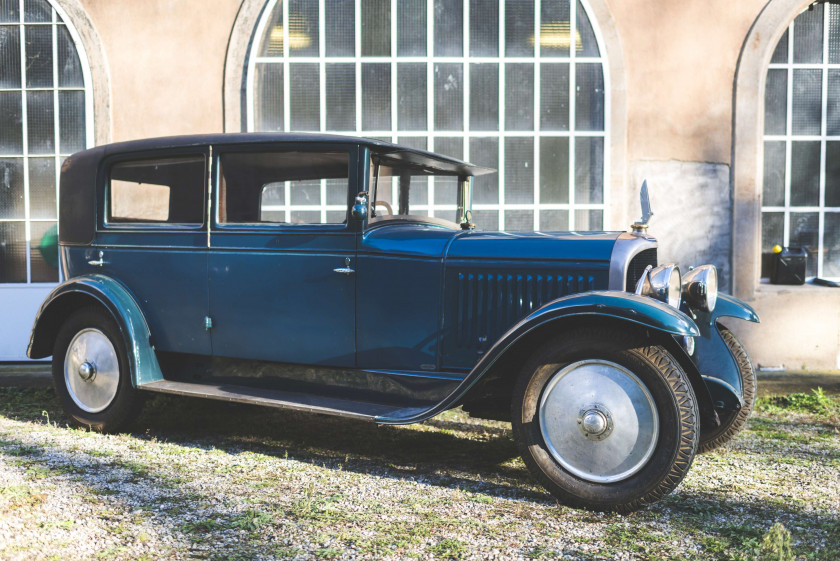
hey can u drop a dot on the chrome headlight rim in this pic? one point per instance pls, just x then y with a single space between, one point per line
700 287
664 283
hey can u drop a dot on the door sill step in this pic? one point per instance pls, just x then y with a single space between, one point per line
360 410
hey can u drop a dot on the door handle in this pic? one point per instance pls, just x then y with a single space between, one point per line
346 270
98 262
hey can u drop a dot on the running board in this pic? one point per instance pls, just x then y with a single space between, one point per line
308 403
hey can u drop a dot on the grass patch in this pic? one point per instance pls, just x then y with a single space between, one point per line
817 405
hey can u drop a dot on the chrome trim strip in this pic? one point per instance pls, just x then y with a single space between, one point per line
626 247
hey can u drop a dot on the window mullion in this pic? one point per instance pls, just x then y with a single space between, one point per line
572 89
287 88
823 133
788 134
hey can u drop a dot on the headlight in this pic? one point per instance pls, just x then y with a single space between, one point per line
662 283
700 287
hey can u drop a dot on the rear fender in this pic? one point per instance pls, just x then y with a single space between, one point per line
712 356
619 307
111 295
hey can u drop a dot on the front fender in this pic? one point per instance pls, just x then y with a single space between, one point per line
118 301
618 306
712 356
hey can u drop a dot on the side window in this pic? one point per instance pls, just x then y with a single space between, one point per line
283 187
162 190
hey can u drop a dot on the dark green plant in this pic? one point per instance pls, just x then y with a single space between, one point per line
775 546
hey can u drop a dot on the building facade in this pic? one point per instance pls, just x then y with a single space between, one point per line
730 112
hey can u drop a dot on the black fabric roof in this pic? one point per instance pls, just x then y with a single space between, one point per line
393 151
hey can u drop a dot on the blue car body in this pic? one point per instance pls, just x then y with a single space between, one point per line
380 318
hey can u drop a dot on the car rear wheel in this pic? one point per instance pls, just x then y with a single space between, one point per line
604 421
732 423
90 372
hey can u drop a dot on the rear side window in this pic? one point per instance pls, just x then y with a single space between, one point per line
292 187
160 190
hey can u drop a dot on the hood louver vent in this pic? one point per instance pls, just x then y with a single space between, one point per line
490 303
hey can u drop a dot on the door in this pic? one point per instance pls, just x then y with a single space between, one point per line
282 257
153 239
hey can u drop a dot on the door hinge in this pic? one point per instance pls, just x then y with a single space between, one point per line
208 323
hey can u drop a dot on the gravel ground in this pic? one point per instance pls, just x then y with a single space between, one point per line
206 480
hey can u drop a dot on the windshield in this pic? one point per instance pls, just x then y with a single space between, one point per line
408 190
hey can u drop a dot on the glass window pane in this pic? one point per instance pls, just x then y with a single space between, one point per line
487 220
832 174
449 28
376 26
589 170
831 244
519 220
268 85
833 34
304 192
449 99
519 28
589 97
69 66
71 121
11 123
44 253
411 96
485 152
40 122
554 220
272 41
42 188
306 217
588 43
555 29
519 97
554 97
772 230
780 54
774 174
11 188
12 252
337 193
554 170
775 102
417 142
833 103
484 27
484 97
303 28
589 220
804 232
805 174
807 101
411 27
9 11
37 11
341 97
340 28
446 188
304 105
519 171
39 59
9 56
808 35
376 96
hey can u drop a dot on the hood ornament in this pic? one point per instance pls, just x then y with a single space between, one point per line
639 228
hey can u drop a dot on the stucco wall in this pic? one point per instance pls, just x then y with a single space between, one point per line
166 63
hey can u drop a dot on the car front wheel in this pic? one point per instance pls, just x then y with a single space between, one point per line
604 421
90 372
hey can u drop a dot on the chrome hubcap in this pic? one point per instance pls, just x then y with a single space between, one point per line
599 421
91 370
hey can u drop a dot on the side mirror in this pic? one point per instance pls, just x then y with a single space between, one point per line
360 207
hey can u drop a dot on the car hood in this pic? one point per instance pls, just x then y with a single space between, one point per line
533 246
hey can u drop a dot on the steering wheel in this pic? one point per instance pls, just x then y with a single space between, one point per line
385 204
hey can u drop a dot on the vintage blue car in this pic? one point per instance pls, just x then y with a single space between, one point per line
289 270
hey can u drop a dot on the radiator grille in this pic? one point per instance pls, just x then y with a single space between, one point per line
637 267
488 304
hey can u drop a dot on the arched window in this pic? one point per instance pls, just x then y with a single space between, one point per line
44 117
801 188
518 85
